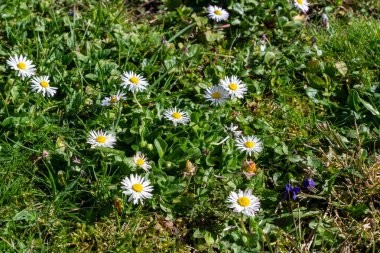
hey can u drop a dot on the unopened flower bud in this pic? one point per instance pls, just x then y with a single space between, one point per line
325 21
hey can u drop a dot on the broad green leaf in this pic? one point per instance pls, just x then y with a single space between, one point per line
24 215
369 107
193 153
238 8
270 58
160 145
312 93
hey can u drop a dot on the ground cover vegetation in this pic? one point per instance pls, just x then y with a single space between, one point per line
189 126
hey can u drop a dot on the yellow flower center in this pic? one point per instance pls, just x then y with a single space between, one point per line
216 95
233 86
300 1
113 99
244 201
21 66
249 144
217 12
176 115
101 139
139 188
44 84
134 80
140 161
251 167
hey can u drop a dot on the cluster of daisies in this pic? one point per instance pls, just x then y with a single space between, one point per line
26 69
219 14
137 187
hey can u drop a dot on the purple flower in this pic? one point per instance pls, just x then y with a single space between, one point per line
309 184
289 190
313 41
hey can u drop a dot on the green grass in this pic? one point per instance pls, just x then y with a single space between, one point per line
318 117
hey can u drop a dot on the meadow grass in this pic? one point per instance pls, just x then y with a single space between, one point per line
316 113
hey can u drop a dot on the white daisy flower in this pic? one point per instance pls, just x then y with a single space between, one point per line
303 5
112 100
234 86
233 129
217 13
134 82
24 66
216 95
176 116
244 202
137 188
249 144
101 139
141 161
42 85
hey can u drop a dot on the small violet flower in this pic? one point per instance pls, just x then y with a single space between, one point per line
309 184
313 41
290 191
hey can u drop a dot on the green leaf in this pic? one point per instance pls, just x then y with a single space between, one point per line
370 107
161 146
270 58
193 153
238 8
316 81
165 207
312 93
198 234
314 163
209 239
294 158
353 99
24 215
110 150
92 77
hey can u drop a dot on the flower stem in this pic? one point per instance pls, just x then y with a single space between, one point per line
242 224
116 123
137 102
8 94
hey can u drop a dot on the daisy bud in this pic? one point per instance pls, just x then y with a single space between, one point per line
325 21
45 153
